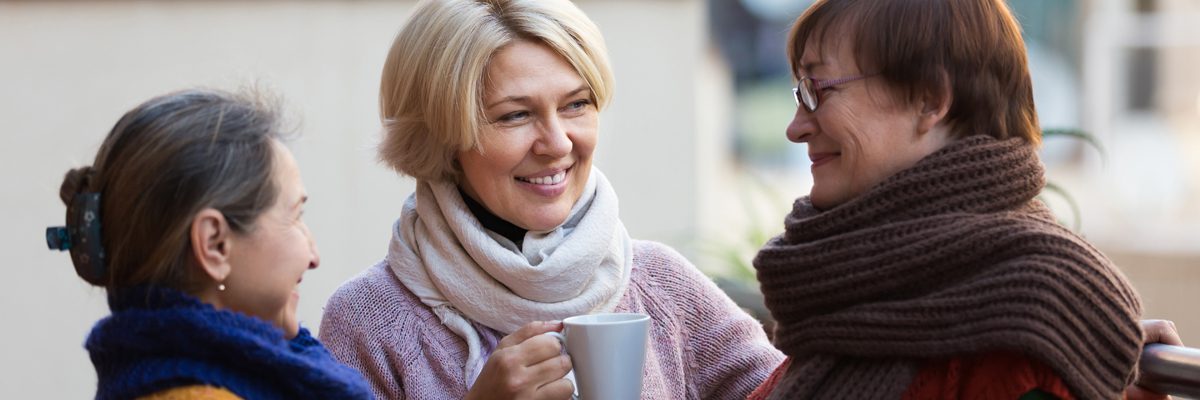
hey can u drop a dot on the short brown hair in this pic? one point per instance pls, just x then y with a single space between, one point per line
163 162
431 92
917 45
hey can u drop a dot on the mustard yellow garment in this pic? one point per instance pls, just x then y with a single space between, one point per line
193 392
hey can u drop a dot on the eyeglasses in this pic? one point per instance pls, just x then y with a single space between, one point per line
806 91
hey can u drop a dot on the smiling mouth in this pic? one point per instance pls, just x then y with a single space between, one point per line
553 179
822 158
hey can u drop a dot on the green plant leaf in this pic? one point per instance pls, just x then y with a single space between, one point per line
1058 190
1081 135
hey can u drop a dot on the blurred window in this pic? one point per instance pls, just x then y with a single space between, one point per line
1142 85
1145 6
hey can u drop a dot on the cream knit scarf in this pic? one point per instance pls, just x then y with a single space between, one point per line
466 273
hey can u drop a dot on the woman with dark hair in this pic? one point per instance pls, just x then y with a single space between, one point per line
190 218
921 265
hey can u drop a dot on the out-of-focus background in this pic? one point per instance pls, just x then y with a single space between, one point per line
693 141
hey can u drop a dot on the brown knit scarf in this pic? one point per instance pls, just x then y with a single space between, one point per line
952 256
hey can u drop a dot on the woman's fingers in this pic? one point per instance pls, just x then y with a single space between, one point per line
530 351
506 376
1154 331
540 348
551 369
526 365
557 390
1160 331
530 330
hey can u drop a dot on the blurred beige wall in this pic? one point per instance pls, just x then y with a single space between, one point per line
68 70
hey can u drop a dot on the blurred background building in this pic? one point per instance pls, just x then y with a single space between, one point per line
693 141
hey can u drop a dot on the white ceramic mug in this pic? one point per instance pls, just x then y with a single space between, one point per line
608 352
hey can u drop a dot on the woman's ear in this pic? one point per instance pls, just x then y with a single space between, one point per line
211 239
935 104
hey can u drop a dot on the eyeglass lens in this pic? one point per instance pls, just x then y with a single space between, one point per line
806 95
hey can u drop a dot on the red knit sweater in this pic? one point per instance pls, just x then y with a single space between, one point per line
996 375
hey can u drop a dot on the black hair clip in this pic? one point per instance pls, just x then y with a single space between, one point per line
81 237
58 238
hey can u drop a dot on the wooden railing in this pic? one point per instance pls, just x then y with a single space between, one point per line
1171 370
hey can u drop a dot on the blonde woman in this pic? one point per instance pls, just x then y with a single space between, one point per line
493 106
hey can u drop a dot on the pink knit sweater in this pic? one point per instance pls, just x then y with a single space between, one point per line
702 346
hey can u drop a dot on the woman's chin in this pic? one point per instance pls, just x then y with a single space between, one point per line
545 224
824 201
291 329
289 322
544 218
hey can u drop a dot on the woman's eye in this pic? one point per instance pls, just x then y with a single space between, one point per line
513 117
577 105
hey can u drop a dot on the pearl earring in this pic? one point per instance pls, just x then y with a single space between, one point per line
221 287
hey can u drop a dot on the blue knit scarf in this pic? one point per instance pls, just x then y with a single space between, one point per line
159 338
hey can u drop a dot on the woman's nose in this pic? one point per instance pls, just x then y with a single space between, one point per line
316 255
803 126
554 140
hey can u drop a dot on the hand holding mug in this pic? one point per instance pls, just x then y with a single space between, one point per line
526 365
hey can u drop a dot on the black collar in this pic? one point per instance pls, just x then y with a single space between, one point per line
493 223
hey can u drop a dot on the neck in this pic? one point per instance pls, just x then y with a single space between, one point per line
492 222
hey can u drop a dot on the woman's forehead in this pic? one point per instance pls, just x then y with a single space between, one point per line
826 54
827 42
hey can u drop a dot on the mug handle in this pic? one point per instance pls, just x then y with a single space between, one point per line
558 335
562 340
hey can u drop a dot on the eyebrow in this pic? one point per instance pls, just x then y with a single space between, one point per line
520 99
582 88
515 99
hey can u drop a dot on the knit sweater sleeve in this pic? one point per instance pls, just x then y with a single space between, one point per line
356 331
728 354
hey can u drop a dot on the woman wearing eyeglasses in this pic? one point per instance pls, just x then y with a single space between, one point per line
921 265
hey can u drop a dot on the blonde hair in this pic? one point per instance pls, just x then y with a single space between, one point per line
431 93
